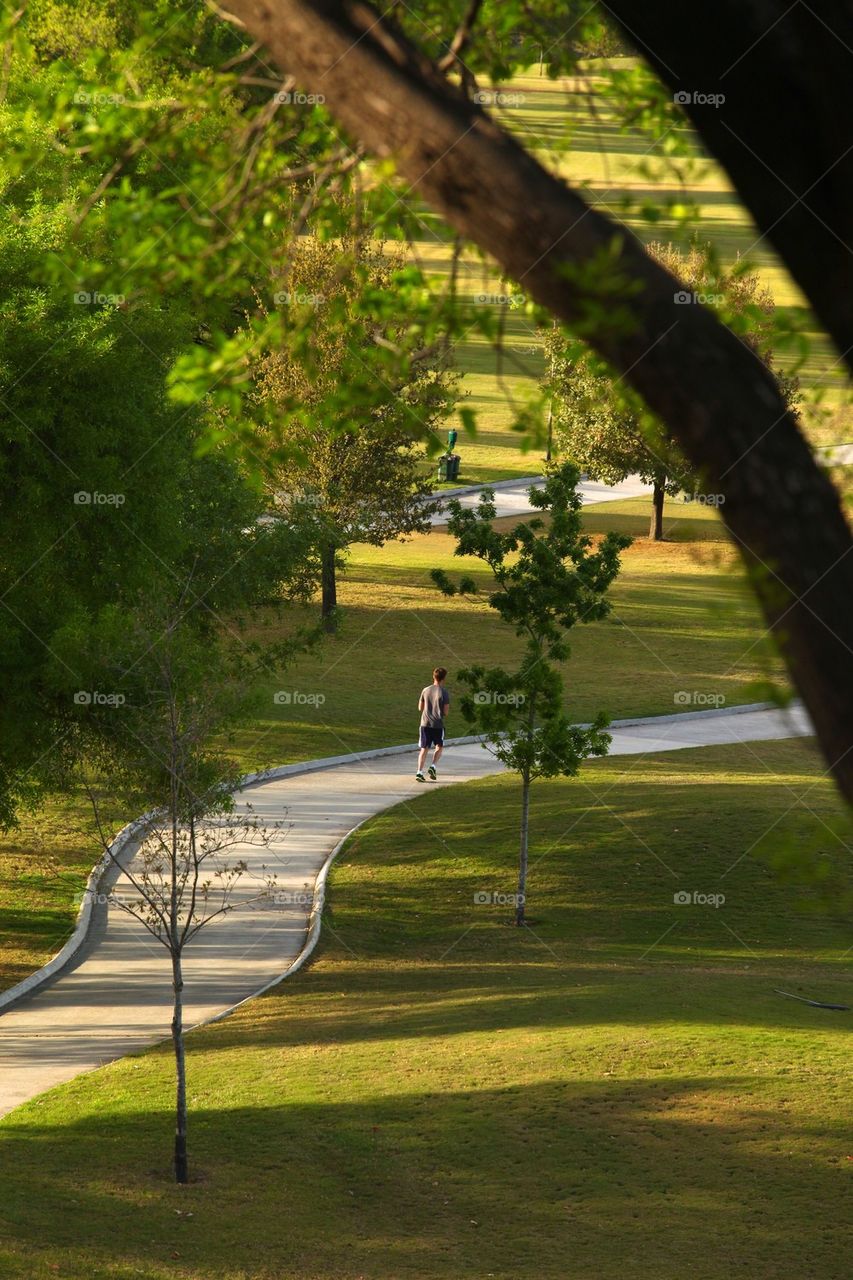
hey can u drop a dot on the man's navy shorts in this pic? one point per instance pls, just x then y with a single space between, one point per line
432 735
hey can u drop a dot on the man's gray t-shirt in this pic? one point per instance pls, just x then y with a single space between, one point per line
435 696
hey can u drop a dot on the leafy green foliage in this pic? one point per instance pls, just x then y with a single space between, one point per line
343 443
508 36
103 499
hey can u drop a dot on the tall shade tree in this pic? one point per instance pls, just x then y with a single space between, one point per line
103 503
104 500
547 579
97 472
354 462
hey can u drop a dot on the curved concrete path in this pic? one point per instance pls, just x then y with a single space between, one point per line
511 496
114 997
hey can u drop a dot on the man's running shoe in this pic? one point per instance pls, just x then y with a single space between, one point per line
419 777
432 773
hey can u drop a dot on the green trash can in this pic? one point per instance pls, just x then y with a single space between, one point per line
453 466
442 467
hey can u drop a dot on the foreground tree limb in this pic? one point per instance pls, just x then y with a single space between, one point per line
716 396
783 129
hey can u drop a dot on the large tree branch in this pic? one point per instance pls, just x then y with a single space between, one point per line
782 130
716 396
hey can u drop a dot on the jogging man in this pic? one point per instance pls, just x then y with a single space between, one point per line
433 704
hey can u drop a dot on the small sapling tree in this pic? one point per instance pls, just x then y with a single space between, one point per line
157 741
548 577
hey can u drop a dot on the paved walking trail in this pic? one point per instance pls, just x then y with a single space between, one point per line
511 496
115 996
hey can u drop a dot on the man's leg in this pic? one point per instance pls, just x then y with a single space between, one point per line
421 757
436 756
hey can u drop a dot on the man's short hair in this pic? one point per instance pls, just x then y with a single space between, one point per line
439 673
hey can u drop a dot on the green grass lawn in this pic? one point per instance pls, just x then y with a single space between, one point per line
682 621
43 869
616 1092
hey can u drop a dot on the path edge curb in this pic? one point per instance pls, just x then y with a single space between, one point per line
34 981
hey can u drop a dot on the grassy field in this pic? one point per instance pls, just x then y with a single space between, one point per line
617 1091
43 870
572 127
683 622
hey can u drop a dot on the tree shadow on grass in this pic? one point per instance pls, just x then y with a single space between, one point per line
657 1176
353 1002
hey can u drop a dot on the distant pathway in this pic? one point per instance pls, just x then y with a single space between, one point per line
115 996
511 496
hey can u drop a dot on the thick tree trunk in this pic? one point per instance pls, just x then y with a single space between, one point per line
782 130
720 402
181 1166
656 525
524 844
329 589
